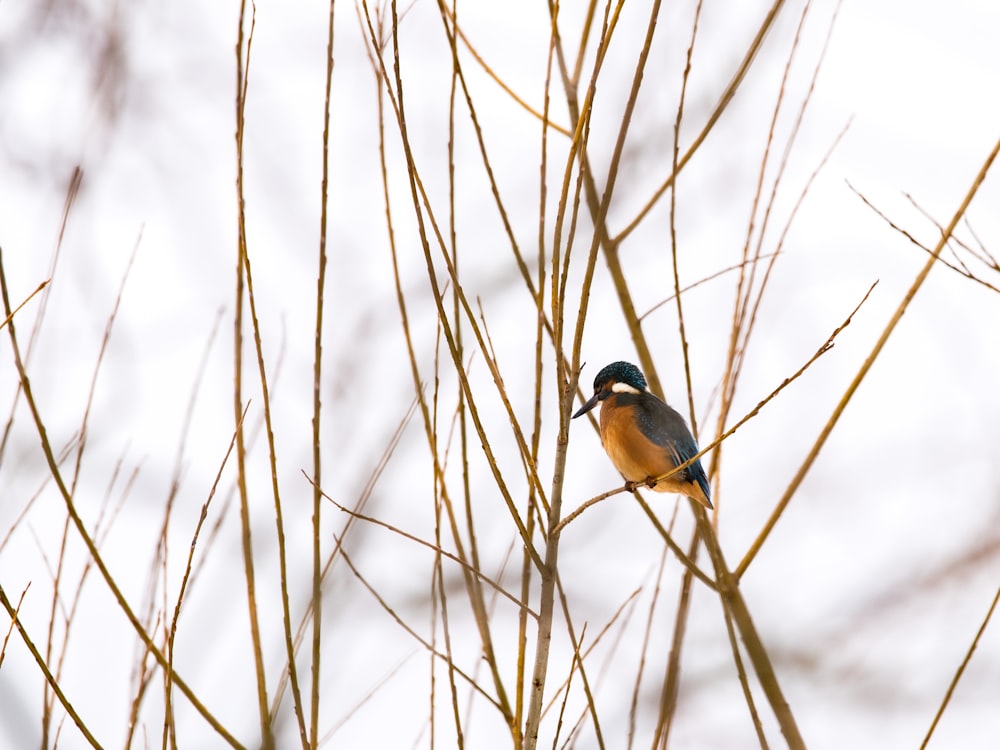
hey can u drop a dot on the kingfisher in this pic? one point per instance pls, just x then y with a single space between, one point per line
643 437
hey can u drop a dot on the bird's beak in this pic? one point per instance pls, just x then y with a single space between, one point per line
594 400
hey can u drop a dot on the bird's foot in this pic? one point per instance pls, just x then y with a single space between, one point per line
649 482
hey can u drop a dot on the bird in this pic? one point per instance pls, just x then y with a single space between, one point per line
643 437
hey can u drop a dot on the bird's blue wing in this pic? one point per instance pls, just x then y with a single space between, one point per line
665 427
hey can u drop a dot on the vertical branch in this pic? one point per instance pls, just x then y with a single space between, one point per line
671 682
461 415
673 224
278 512
566 380
242 74
672 678
461 412
599 206
527 572
317 566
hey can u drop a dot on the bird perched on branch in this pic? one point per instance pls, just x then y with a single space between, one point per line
643 437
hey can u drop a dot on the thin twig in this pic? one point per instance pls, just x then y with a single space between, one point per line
413 633
961 271
823 349
435 548
26 300
542 116
867 365
724 100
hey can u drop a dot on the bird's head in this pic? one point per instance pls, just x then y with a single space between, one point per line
618 377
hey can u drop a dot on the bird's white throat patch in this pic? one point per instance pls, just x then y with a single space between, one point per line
624 388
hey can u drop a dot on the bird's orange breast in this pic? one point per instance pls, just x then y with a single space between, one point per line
632 453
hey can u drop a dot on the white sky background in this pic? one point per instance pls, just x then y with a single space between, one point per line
875 580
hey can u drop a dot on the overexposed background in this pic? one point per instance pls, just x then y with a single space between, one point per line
875 580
